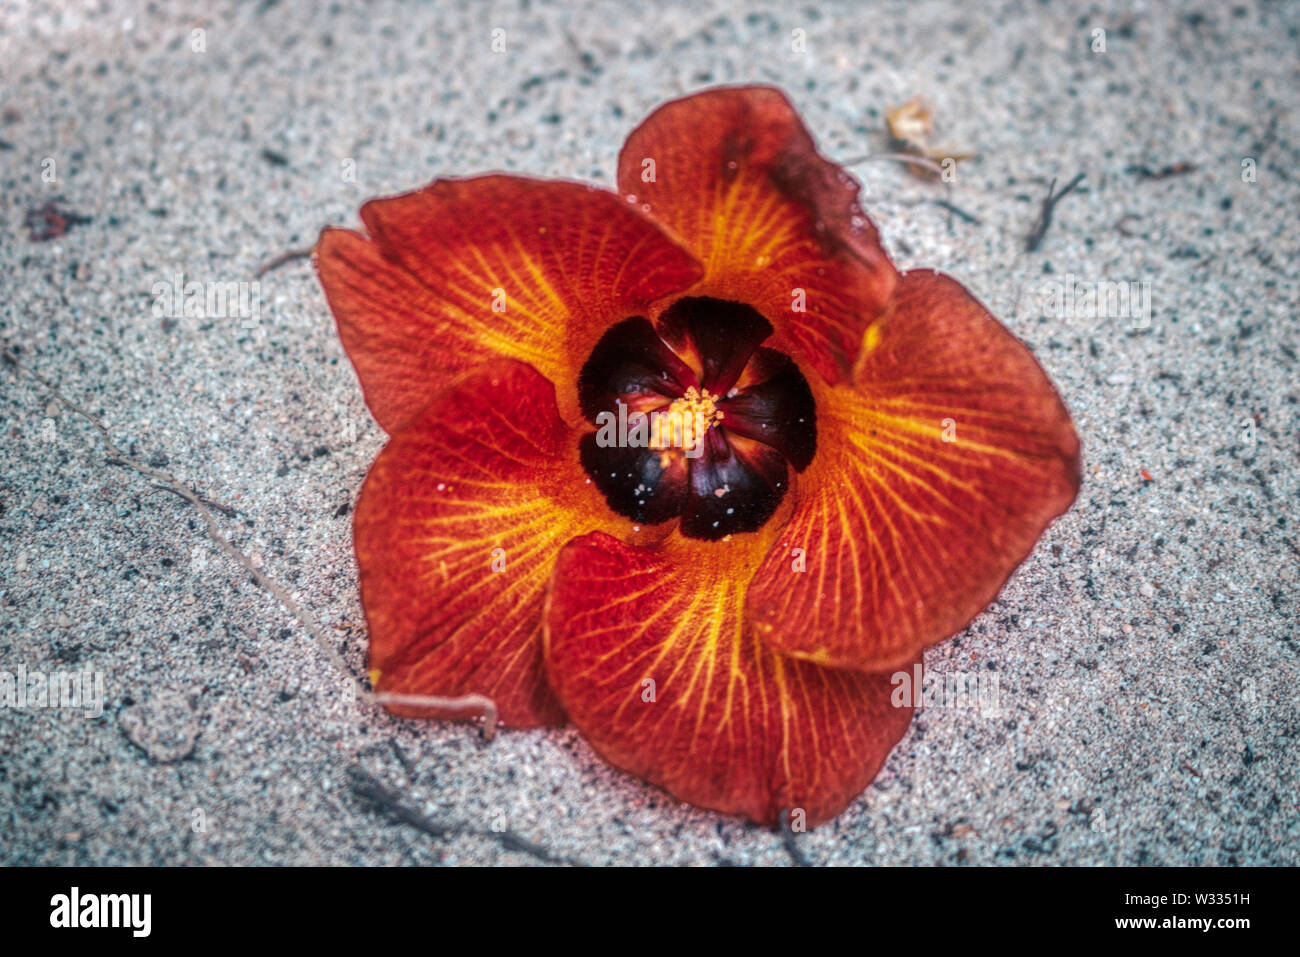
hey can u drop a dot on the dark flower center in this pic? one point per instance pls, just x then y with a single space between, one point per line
695 419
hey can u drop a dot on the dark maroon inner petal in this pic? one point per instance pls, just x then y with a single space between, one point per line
722 334
751 415
732 491
630 362
634 481
778 410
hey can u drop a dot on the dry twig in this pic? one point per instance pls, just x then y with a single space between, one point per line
1035 237
389 800
289 256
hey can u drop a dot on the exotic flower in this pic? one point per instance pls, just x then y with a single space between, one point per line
691 464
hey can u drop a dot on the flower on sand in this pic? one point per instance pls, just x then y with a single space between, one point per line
721 619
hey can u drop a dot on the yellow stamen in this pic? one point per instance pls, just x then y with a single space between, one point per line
687 419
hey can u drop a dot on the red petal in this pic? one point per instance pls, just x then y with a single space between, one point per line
739 180
905 536
415 302
486 472
733 726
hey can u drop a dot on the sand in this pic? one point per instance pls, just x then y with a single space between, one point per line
1146 653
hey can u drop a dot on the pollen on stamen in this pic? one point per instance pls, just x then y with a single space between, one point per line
685 422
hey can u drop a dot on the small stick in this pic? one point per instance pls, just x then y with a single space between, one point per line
1122 226
466 702
384 797
286 257
910 159
370 789
1164 172
953 208
1035 237
226 510
403 757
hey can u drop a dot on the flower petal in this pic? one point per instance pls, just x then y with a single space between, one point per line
774 405
735 485
456 531
716 336
727 723
937 470
633 365
643 484
734 174
467 270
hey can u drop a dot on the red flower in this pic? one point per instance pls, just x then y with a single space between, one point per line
719 617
